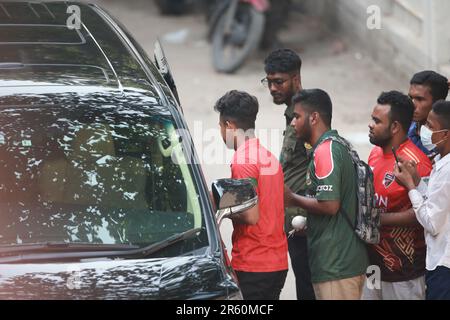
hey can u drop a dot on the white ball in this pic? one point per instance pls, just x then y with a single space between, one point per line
299 222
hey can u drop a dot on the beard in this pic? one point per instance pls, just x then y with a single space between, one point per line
305 134
381 140
279 99
283 98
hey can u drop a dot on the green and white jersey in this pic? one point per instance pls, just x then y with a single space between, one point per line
335 251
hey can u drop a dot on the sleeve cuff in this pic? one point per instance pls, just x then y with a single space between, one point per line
416 198
422 187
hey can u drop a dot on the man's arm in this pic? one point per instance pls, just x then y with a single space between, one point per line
250 216
243 171
400 219
314 206
431 212
410 179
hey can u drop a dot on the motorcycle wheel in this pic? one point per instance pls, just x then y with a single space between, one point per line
171 7
229 51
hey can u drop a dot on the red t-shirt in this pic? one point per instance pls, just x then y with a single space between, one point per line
262 247
401 252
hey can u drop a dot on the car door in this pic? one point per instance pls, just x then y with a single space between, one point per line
162 64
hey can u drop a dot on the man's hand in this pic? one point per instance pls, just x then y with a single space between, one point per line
404 218
411 166
404 174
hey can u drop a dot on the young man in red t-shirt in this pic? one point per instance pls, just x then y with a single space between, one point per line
401 252
259 254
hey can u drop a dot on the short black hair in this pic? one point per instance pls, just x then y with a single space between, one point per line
437 83
402 107
316 100
239 107
442 109
282 61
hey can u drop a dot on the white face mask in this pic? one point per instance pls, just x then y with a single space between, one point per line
426 136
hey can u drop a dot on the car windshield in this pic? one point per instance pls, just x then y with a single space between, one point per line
93 174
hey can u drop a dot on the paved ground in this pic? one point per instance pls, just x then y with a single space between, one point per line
352 79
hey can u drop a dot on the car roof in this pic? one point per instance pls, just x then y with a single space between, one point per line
40 53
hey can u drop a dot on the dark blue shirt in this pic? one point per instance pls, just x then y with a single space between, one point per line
414 136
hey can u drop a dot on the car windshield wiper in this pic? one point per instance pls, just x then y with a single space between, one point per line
158 246
73 251
55 246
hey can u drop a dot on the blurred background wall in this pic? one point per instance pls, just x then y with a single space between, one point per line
414 34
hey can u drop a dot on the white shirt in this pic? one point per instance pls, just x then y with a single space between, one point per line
432 207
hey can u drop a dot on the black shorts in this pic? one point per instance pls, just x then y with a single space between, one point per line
261 285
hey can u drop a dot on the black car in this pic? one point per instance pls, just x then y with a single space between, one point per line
101 196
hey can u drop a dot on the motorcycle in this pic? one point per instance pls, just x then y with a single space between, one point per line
236 29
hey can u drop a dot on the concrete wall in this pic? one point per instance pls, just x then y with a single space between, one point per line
414 34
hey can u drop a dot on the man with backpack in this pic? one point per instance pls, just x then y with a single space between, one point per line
401 251
337 256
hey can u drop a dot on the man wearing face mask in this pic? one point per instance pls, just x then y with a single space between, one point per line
432 203
426 137
426 88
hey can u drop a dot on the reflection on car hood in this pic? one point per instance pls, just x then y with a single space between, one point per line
192 277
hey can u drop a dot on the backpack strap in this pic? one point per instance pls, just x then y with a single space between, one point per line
352 154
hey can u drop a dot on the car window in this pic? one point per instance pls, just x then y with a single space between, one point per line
98 174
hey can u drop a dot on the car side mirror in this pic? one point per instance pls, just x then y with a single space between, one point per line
233 196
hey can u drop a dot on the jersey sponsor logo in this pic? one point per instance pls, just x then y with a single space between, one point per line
323 160
388 179
328 188
381 202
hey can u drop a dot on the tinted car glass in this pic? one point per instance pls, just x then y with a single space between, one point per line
47 35
53 75
93 173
